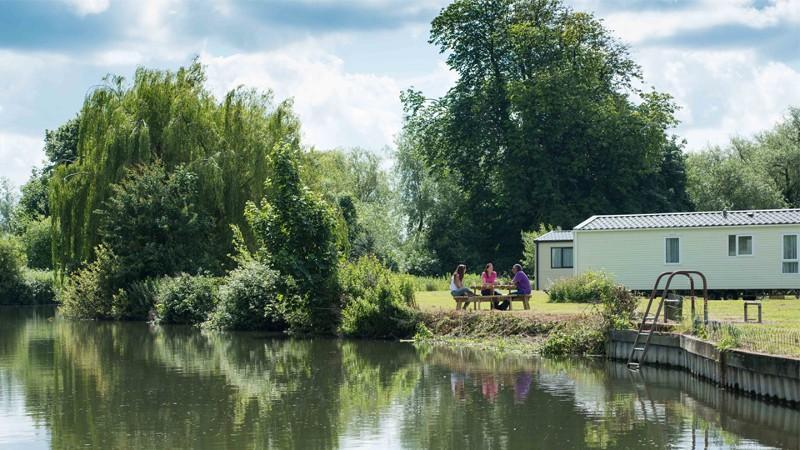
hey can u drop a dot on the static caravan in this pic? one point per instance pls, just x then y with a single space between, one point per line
554 258
740 252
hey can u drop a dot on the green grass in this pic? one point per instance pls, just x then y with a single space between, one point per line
442 300
779 334
777 313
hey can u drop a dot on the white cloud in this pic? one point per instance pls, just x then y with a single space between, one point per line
336 107
634 25
722 93
18 154
86 7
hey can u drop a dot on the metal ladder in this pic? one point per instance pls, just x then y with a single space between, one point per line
648 324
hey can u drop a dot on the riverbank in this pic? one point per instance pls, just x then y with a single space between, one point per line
553 334
762 375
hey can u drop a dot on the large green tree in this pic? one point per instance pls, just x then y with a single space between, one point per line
545 124
170 117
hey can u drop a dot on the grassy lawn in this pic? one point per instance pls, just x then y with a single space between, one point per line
438 300
779 313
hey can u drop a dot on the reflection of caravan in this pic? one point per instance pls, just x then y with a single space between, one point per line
741 252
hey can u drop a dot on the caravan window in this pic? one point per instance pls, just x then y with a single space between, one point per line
561 258
739 245
790 254
672 251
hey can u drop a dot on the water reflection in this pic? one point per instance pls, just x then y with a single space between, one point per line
67 384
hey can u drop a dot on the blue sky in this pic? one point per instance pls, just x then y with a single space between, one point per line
732 65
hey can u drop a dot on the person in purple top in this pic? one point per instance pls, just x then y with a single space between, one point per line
521 281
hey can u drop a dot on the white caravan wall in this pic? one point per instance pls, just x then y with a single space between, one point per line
636 257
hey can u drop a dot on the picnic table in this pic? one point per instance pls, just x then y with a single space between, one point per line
463 301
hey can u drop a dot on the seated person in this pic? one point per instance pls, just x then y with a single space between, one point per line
457 288
521 281
489 277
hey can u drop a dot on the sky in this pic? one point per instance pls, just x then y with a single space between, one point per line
733 66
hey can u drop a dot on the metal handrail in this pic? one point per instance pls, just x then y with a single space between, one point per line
688 274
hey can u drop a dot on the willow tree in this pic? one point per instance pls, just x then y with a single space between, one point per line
168 117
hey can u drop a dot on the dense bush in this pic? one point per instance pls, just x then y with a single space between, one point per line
150 228
617 304
38 240
185 299
380 314
39 288
135 301
153 224
582 337
619 308
377 303
296 231
88 293
18 284
12 262
252 297
589 287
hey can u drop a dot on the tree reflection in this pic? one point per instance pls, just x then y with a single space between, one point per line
130 385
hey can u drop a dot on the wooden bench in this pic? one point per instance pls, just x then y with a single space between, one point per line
463 301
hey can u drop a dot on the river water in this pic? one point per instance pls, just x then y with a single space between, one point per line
73 384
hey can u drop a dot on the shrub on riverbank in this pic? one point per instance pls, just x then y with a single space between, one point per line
578 337
588 287
39 287
135 301
252 297
88 292
12 262
185 299
485 324
20 285
377 303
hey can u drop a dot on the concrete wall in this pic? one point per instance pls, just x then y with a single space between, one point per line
768 376
768 423
545 273
636 257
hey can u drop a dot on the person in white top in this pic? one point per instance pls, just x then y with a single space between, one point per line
457 288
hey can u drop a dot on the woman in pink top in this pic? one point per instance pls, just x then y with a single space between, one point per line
489 276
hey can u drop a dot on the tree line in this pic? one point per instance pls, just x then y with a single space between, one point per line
546 124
